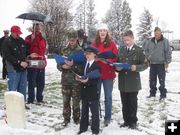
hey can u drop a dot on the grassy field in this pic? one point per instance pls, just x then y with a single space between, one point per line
2 86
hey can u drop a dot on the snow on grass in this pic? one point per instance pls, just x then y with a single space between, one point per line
46 119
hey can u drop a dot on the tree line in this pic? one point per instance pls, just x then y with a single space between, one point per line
118 18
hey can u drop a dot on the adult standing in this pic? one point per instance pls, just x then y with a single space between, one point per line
82 39
158 52
36 76
129 80
104 43
70 87
4 71
14 52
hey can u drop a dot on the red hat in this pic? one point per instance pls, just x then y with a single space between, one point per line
16 29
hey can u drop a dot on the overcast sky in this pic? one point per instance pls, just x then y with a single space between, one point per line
168 12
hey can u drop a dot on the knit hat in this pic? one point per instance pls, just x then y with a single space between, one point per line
102 26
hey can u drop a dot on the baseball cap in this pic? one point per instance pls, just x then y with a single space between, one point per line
16 29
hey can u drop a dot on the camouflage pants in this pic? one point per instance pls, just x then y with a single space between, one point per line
71 92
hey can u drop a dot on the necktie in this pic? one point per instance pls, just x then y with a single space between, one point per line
87 68
128 50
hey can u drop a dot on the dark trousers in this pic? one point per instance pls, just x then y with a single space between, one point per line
157 70
36 78
94 107
4 71
129 107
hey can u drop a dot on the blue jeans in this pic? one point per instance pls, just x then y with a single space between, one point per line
108 87
17 81
36 78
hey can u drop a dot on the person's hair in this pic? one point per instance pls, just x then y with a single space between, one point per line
106 41
35 24
128 33
157 29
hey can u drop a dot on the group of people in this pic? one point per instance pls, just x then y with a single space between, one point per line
155 53
15 52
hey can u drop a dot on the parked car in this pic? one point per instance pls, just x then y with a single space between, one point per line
175 44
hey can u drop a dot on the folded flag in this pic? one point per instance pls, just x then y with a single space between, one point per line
122 65
92 75
59 59
107 55
77 58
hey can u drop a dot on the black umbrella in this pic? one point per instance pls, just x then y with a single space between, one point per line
35 17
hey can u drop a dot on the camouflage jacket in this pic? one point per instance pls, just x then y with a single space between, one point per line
67 76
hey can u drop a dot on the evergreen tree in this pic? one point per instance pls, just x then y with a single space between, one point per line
118 17
113 16
144 28
126 15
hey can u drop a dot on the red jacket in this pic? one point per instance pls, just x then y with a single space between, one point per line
38 45
107 71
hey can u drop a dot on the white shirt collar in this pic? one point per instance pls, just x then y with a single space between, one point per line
130 47
90 62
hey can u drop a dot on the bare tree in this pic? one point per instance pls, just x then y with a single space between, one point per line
91 20
59 11
80 15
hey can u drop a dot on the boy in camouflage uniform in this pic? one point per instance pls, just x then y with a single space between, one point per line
70 87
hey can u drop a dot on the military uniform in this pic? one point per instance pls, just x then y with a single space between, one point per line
70 87
129 81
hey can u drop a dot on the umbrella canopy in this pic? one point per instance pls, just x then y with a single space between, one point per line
35 17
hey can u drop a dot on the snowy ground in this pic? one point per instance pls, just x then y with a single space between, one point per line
45 119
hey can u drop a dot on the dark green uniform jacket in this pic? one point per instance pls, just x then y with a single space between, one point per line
129 81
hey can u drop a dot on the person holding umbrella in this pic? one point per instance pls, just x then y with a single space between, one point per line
36 76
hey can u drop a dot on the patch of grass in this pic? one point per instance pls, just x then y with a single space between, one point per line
2 86
52 84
